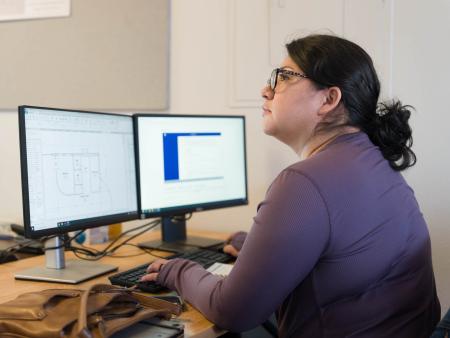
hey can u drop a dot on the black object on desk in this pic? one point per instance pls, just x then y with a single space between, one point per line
18 229
10 245
6 257
153 327
22 245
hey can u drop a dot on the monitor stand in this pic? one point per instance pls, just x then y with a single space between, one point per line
174 238
58 271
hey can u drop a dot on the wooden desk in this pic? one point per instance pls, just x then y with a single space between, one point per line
195 324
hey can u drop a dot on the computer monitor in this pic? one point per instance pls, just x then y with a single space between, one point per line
78 172
186 164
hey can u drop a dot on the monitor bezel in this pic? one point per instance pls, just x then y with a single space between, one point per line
86 223
187 209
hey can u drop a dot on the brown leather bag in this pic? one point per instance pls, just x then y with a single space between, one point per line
97 312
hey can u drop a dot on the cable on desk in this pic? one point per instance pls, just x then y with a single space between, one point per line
20 245
148 251
93 254
66 241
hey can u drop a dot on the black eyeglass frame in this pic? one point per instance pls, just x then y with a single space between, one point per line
273 79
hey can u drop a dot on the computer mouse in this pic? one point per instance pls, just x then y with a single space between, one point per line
151 287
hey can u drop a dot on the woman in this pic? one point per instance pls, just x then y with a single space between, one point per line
339 247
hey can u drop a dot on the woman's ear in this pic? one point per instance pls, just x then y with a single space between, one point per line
332 100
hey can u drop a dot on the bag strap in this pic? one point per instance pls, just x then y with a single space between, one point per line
156 303
82 327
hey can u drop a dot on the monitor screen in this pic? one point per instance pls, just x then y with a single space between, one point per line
78 169
190 163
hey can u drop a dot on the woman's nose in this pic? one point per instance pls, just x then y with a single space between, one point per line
267 93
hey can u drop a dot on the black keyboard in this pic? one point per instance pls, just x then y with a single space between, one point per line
131 277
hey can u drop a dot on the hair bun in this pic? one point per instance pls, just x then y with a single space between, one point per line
393 134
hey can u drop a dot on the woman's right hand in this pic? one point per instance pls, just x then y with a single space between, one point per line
231 250
234 243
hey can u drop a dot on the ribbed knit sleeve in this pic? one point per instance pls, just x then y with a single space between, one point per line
290 232
238 240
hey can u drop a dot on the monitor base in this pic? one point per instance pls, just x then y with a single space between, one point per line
182 246
75 272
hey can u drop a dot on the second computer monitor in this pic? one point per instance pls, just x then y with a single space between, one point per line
189 163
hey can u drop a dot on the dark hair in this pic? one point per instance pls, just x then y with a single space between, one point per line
333 61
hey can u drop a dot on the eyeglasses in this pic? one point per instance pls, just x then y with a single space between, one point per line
282 74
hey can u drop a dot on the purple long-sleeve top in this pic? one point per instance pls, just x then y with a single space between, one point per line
338 248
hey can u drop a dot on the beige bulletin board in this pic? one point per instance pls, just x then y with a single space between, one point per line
108 55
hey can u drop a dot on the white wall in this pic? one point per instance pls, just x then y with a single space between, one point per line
200 83
421 78
10 186
200 65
